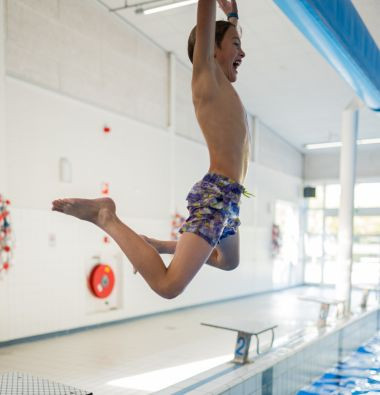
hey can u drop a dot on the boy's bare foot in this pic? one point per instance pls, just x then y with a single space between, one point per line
98 211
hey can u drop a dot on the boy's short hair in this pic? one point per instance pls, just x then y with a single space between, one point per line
221 28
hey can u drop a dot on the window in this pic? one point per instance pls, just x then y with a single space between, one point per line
321 238
367 195
332 196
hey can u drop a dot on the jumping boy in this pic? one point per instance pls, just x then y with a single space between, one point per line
210 234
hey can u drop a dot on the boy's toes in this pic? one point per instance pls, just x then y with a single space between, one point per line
57 205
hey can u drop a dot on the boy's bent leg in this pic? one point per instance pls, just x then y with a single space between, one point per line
226 255
162 246
191 250
190 254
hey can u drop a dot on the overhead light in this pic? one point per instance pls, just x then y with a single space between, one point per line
339 144
323 145
369 141
153 10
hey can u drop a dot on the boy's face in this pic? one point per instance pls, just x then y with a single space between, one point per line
230 54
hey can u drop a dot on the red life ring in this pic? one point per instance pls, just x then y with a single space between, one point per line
102 281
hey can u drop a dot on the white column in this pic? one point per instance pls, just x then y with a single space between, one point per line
3 176
346 210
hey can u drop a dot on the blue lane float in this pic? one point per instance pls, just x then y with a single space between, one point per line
358 374
336 30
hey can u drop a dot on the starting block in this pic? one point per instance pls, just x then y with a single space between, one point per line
245 330
14 383
366 289
325 304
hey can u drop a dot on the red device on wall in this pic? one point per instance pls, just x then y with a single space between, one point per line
102 280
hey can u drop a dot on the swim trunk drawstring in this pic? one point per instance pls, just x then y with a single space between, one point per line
247 194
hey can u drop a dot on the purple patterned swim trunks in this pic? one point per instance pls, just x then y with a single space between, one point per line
213 204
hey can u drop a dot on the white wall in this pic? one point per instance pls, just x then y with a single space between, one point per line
270 186
50 281
324 165
277 175
2 100
4 287
134 158
60 94
275 153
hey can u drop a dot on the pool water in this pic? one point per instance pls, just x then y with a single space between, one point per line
357 374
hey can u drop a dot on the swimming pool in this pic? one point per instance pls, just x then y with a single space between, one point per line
357 374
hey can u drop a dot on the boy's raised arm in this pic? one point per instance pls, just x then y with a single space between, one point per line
230 8
205 34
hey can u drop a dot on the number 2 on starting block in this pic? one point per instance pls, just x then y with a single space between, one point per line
242 347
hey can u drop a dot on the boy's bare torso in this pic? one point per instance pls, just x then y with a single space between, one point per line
224 124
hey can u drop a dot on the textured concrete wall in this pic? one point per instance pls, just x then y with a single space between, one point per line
324 165
187 125
79 49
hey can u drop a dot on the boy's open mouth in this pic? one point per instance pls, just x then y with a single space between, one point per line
236 64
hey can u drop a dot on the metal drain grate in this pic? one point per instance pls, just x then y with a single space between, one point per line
15 383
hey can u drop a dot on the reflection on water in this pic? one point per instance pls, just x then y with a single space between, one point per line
358 374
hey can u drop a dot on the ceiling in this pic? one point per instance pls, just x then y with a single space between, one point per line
283 80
